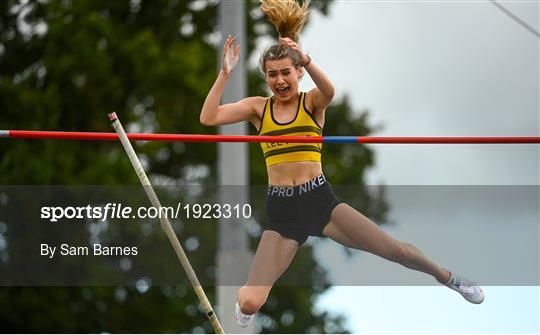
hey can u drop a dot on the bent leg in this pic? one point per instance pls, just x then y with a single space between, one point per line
352 229
273 256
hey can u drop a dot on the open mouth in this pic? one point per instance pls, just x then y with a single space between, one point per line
283 90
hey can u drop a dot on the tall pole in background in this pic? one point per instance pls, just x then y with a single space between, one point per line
234 256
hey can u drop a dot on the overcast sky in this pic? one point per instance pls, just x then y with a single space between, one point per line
458 68
437 69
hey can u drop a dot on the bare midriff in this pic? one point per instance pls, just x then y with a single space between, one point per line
293 174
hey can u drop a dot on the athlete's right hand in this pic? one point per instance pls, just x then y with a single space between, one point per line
230 55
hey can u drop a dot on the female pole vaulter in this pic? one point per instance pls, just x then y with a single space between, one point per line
300 201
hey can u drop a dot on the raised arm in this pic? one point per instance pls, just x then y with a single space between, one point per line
322 95
214 114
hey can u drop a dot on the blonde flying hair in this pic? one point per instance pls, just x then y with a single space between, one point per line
289 18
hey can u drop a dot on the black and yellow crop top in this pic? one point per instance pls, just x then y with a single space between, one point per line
303 124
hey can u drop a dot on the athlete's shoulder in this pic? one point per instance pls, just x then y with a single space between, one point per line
259 105
254 102
255 99
256 106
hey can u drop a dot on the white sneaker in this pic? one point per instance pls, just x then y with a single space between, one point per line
242 319
467 288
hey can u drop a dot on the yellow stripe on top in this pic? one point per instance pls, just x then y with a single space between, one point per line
303 124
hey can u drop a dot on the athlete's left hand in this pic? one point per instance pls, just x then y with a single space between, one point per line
286 41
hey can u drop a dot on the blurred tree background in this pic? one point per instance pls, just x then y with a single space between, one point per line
63 66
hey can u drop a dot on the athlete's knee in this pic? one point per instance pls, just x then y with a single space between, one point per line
250 302
403 254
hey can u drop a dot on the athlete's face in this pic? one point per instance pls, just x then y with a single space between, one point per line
282 77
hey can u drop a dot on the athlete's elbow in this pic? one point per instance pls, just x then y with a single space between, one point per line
206 121
330 92
327 91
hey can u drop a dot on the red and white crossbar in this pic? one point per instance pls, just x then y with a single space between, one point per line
95 136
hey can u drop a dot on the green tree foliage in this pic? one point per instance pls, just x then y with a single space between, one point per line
63 66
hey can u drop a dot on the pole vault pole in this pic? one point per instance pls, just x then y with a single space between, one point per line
166 225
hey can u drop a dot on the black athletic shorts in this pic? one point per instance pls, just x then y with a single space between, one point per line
300 211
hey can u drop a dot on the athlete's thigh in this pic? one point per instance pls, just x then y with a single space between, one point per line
351 228
273 256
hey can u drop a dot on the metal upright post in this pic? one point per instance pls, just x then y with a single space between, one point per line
234 256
